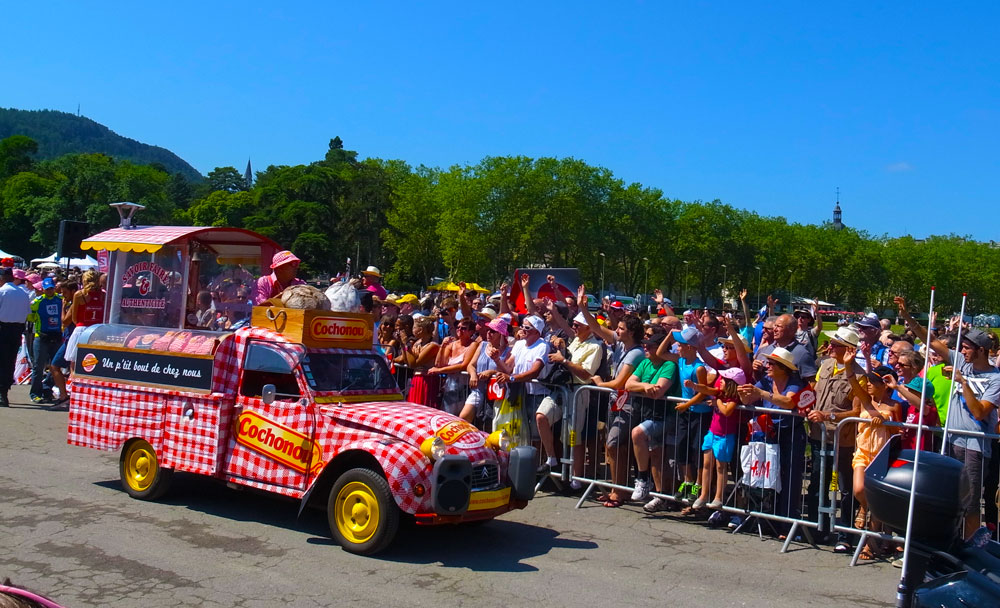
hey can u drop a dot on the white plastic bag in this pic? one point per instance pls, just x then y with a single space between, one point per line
761 467
343 297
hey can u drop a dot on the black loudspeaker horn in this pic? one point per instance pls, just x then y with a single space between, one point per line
71 233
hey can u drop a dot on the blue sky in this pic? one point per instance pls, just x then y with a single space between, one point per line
766 106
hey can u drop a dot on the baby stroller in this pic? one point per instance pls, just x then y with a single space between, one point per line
761 478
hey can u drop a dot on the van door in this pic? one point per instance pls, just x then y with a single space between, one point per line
272 443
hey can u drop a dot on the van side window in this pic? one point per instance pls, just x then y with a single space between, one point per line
265 364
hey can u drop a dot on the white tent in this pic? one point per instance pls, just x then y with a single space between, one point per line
86 263
4 254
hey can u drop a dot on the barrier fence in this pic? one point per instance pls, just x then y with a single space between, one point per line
850 515
777 478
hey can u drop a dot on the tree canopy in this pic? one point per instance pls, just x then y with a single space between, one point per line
479 222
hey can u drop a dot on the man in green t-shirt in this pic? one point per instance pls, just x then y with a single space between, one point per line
653 380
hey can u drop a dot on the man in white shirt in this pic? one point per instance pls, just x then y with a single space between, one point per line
526 362
14 309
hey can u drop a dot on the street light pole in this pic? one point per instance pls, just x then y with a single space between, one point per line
758 286
645 286
685 292
722 292
600 295
791 295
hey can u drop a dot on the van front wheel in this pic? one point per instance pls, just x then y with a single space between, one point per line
362 513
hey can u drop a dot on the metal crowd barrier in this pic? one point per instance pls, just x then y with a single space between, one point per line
606 449
849 503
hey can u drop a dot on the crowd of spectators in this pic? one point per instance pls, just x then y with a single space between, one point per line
674 440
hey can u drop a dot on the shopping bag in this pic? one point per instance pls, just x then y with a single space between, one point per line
511 417
22 365
760 466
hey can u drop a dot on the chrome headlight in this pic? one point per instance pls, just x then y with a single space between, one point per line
433 447
499 440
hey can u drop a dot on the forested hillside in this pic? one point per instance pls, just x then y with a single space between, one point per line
59 133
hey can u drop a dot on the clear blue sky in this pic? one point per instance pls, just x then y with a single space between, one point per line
766 106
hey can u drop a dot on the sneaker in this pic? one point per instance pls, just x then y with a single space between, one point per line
681 495
543 470
655 505
698 503
575 485
734 521
897 563
695 492
715 519
715 504
37 399
641 491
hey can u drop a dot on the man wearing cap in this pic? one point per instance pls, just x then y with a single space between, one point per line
284 267
870 330
834 401
372 279
406 303
809 327
14 309
527 360
46 315
586 354
973 406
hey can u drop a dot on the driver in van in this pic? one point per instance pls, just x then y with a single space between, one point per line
284 267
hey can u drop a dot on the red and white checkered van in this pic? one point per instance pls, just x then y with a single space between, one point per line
295 402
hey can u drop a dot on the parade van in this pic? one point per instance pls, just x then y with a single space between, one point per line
294 402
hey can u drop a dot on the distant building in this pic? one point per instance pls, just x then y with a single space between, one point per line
248 176
837 223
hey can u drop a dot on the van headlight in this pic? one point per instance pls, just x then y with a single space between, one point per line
433 447
499 440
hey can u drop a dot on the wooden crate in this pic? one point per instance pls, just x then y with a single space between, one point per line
317 328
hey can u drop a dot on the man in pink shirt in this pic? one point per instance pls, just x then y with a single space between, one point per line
284 267
373 282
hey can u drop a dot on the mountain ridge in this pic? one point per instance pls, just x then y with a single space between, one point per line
59 133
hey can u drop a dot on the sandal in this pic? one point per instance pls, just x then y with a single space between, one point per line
611 503
603 497
867 555
860 519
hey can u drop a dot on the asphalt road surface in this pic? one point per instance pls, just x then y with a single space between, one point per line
68 530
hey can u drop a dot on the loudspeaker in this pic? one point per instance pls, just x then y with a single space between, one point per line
70 235
452 485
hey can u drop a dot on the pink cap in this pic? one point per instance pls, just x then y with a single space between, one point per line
283 257
19 273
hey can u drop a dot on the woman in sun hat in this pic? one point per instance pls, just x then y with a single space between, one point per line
284 267
779 389
482 368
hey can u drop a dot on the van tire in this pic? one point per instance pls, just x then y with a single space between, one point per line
362 514
141 474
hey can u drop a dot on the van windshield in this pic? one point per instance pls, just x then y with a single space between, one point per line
347 372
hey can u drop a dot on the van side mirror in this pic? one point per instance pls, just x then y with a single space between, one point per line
267 394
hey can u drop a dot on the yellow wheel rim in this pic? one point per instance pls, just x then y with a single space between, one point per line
356 512
140 466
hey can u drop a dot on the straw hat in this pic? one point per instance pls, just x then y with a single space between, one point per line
784 357
743 341
845 336
375 272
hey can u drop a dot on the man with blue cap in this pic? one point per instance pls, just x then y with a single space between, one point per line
46 315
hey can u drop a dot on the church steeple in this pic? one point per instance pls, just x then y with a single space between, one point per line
248 176
837 223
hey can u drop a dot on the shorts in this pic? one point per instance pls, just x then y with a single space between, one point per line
620 428
655 431
862 458
59 359
723 446
550 409
973 463
691 428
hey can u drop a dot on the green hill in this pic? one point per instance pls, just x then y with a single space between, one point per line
59 133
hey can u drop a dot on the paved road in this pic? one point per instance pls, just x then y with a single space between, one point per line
67 529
